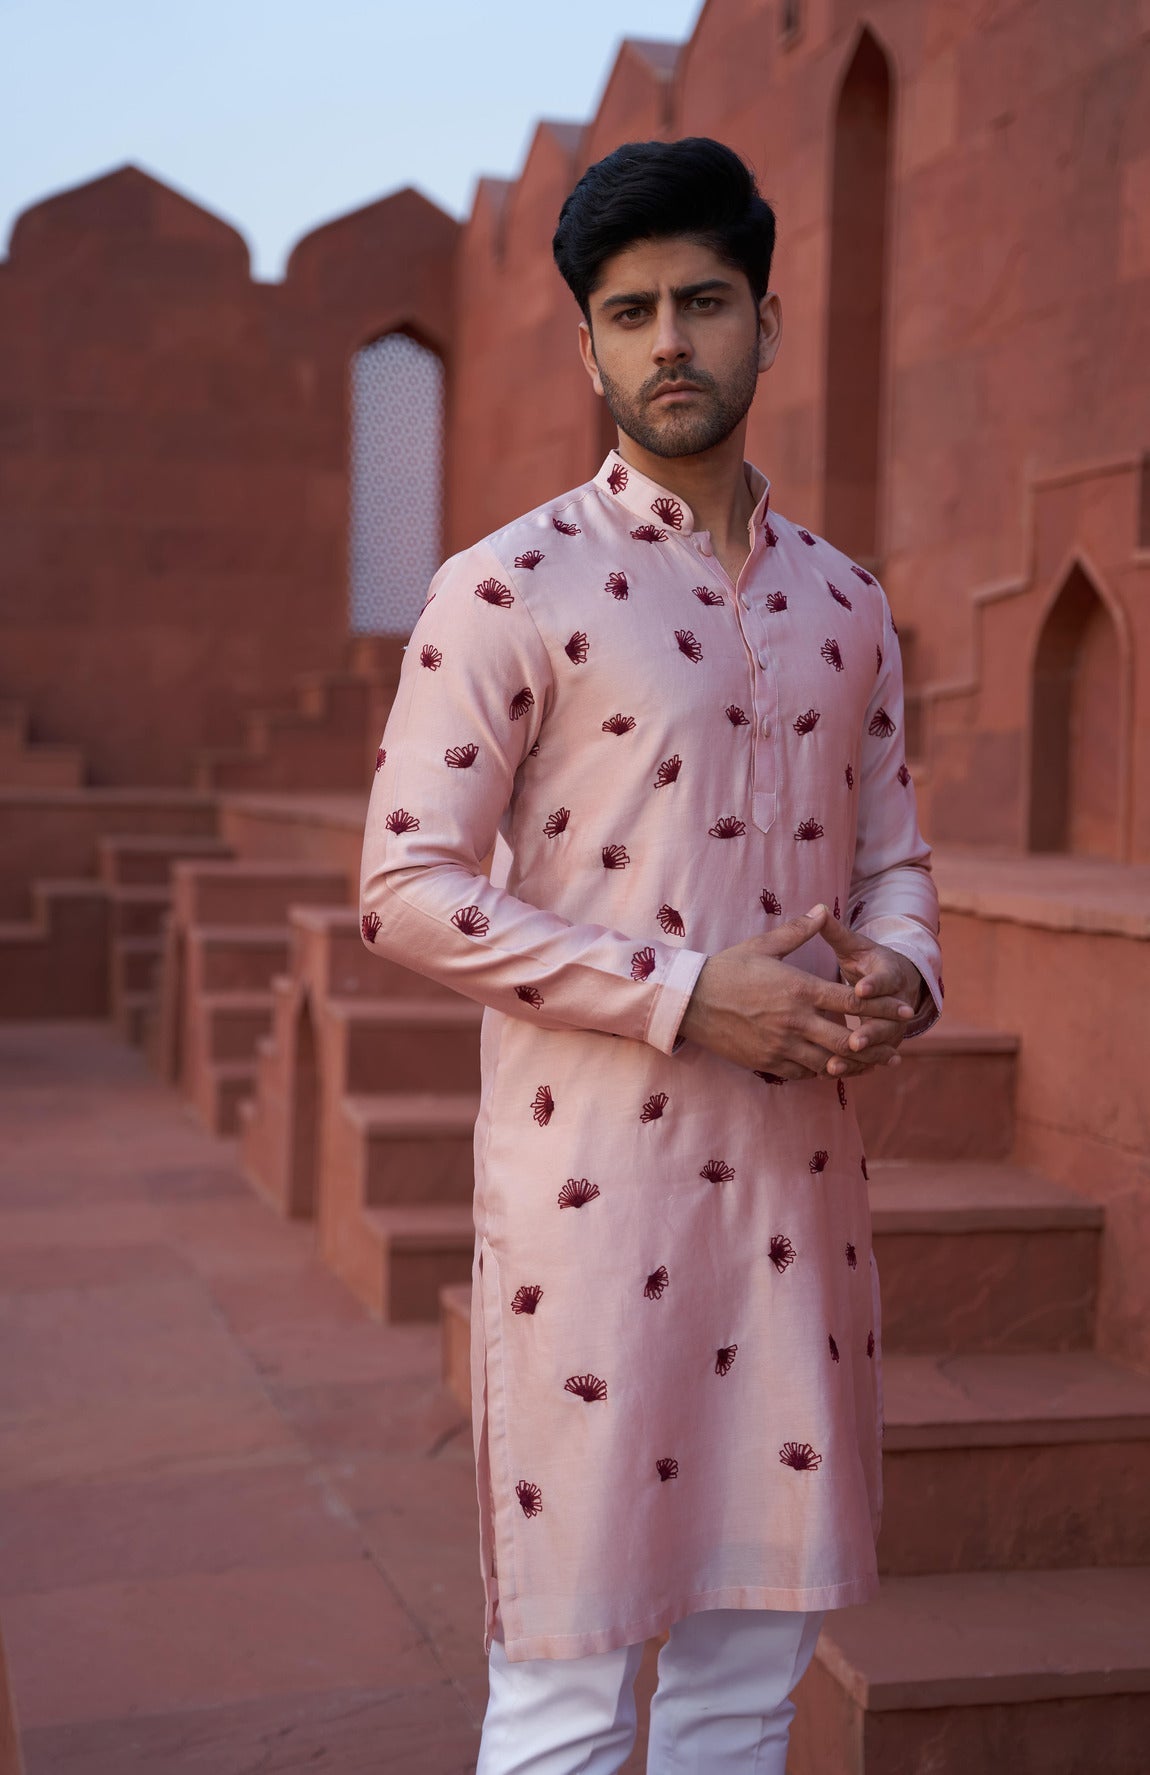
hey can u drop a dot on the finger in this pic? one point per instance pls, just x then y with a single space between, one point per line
795 932
828 996
873 1031
866 1060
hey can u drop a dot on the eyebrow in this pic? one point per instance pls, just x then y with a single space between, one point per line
681 292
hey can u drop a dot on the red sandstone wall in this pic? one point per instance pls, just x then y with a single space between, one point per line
173 459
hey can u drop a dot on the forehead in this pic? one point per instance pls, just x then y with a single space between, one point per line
661 265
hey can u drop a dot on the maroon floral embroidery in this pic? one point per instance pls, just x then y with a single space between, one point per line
530 559
471 921
668 771
870 1343
781 1252
839 597
615 856
654 1106
399 820
534 752
903 774
669 511
799 1455
730 826
834 1348
840 1087
808 829
853 919
530 1497
832 653
772 536
881 725
656 1283
616 585
852 1258
688 645
576 648
818 1161
380 759
807 537
865 1172
587 1387
776 601
617 479
643 964
619 724
706 596
576 1192
736 717
837 913
493 591
649 533
668 1468
527 1298
770 903
530 996
431 658
520 703
543 1105
850 776
725 1358
866 577
557 822
806 723
717 1171
565 529
941 988
893 624
461 757
370 924
769 1078
671 920
878 659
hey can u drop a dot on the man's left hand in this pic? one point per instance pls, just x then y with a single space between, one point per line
874 971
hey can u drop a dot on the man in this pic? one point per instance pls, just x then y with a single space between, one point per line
678 714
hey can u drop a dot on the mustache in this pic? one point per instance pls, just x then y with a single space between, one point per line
691 380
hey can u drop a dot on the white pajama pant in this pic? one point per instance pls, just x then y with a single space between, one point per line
721 1706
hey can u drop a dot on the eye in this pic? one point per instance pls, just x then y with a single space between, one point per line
712 301
622 314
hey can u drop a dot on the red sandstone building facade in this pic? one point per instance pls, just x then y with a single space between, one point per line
961 401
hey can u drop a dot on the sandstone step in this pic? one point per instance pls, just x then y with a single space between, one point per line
982 1256
455 1333
413 1252
55 964
1032 1460
408 1044
952 1098
1035 1673
145 859
419 1145
138 911
252 892
239 958
136 965
233 1022
222 1085
131 1013
343 966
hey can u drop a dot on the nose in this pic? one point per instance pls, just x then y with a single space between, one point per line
670 344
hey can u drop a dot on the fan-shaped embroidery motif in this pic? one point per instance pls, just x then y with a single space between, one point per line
430 657
619 724
616 585
870 1343
370 925
543 1105
649 533
530 559
717 1171
840 1087
534 752
576 648
668 771
771 535
520 703
832 653
770 903
725 1358
853 919
668 511
668 1468
615 856
799 1455
867 578
818 1161
654 1106
671 920
881 725
850 776
769 1078
656 1283
833 1348
839 597
642 964
471 921
530 996
807 829
399 820
903 774
380 759
736 716
781 1252
776 601
852 1258
837 913
587 1387
527 1298
688 645
706 596
564 528
807 537
729 826
878 659
461 757
557 822
493 591
530 1497
617 479
808 722
576 1192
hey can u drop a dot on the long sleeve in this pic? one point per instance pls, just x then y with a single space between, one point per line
474 692
893 898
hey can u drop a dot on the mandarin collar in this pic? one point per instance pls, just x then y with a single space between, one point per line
646 500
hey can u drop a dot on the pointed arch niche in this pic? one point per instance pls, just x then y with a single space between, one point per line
1077 725
856 305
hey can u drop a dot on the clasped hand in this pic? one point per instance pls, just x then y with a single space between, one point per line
756 1009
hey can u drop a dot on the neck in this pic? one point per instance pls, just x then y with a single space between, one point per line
713 484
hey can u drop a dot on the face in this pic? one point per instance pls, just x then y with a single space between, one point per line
677 344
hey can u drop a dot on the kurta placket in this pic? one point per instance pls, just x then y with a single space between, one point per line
676 1336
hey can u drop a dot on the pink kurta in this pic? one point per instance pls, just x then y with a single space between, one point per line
676 1347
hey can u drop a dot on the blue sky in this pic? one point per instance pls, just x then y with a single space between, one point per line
278 114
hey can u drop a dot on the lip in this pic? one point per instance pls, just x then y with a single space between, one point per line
676 388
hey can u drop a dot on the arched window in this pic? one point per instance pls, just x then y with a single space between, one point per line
1076 748
855 376
396 476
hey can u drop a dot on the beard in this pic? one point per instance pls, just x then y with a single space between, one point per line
678 430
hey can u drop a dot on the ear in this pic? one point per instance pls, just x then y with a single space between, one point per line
770 329
587 353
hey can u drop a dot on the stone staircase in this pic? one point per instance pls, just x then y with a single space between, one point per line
35 764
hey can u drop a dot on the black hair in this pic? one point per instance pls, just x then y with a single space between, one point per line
652 190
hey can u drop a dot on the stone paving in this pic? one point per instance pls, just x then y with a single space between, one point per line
237 1521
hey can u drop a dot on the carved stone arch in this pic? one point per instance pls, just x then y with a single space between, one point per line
857 295
304 1124
1078 723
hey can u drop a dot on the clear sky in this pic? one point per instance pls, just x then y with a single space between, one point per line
279 114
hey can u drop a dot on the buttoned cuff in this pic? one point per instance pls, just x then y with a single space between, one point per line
909 938
674 995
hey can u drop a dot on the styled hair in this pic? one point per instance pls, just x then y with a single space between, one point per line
653 190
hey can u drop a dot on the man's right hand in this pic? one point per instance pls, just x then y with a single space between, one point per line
752 1007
